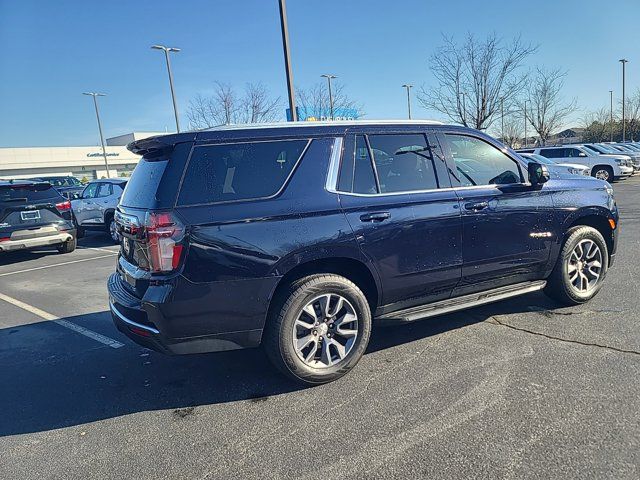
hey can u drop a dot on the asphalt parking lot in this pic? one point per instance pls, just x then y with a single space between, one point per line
520 388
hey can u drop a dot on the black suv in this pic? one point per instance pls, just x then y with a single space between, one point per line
301 236
34 214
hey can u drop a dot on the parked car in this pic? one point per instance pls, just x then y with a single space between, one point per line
300 236
608 151
603 167
94 209
34 214
572 168
68 186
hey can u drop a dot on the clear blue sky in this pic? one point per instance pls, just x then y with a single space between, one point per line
54 50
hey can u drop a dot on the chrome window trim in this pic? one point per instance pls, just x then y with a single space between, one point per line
334 165
223 202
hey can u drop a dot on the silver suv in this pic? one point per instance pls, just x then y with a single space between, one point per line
95 207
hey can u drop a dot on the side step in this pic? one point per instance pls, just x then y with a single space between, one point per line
460 303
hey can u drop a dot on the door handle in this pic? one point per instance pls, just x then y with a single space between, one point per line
375 217
476 206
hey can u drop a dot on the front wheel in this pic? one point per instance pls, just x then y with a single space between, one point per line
581 267
319 329
603 172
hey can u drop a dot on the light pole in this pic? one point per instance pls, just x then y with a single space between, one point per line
408 86
525 124
287 60
624 129
329 77
611 115
166 51
95 104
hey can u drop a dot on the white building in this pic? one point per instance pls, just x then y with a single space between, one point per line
81 162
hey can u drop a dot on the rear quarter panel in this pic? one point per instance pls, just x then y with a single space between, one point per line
239 251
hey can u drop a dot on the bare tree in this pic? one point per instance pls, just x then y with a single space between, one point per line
226 107
314 101
475 77
513 130
546 110
632 115
597 125
257 106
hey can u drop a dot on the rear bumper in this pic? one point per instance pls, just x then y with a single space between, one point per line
25 243
144 323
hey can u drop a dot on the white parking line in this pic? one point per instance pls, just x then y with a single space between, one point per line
63 323
57 265
98 249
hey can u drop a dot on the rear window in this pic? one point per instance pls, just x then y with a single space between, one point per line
240 171
28 193
143 184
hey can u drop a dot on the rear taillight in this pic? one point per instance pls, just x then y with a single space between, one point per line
64 206
5 239
164 236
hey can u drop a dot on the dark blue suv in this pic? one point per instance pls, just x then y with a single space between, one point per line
301 236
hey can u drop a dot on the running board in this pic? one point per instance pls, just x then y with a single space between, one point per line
460 303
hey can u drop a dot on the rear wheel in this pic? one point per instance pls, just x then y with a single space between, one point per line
603 172
319 329
113 232
68 246
581 267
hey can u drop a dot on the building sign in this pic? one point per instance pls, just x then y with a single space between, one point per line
109 154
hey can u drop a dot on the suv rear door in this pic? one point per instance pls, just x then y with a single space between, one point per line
506 224
393 191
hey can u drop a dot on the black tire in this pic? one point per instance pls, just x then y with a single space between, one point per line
68 246
278 341
559 285
109 222
603 172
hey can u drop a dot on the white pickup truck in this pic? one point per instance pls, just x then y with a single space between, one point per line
609 168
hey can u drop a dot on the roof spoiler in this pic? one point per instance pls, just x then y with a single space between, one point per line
153 146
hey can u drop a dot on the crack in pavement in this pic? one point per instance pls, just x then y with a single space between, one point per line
495 321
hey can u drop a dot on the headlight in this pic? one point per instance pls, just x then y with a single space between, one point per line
575 171
610 190
619 161
585 171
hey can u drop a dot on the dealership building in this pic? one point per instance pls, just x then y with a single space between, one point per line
81 162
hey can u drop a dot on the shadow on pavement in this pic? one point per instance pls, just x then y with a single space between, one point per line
52 378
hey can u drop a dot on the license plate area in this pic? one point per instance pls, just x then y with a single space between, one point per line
30 215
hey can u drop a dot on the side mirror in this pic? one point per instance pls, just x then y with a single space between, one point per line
582 154
538 173
76 196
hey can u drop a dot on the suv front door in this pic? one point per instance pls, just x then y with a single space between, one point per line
84 207
406 221
506 224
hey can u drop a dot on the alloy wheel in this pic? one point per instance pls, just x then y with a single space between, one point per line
325 331
584 267
602 174
113 231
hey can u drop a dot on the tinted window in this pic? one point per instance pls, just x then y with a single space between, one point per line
104 190
572 152
403 162
479 163
552 152
218 173
363 178
90 190
28 193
